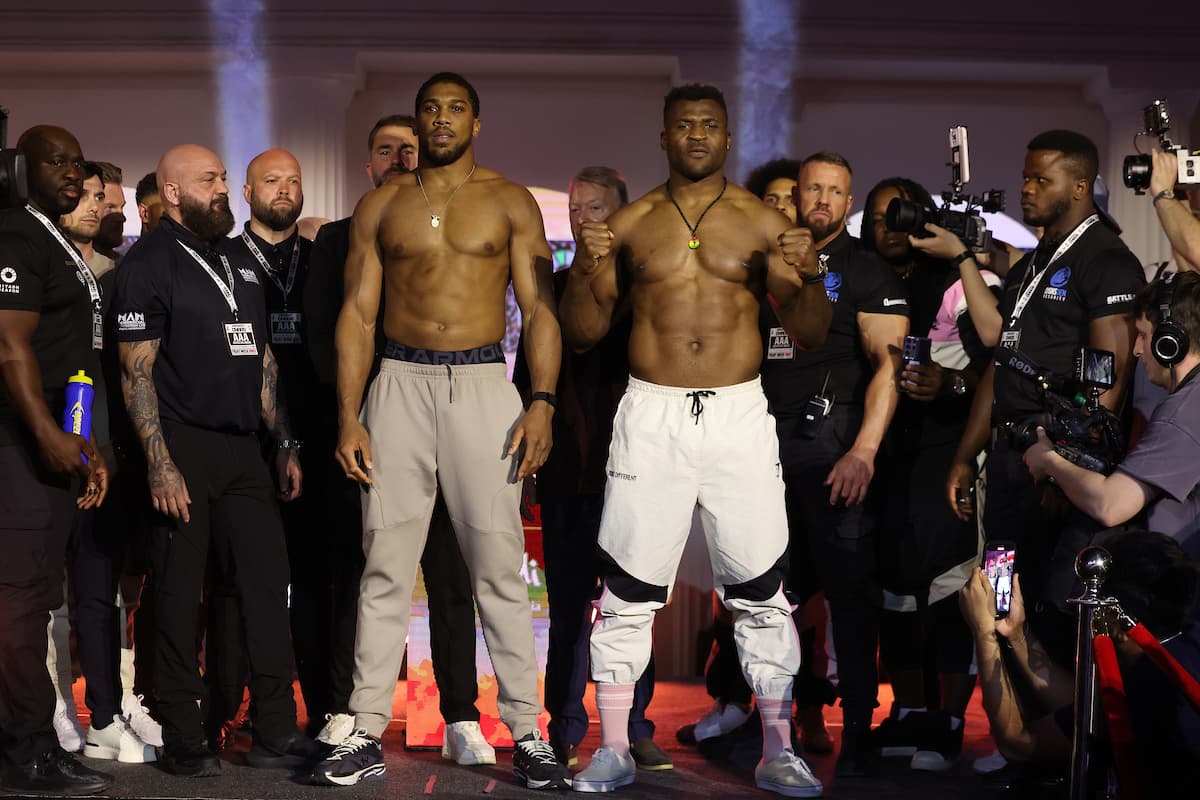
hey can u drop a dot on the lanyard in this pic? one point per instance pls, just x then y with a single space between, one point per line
1066 244
226 290
85 272
291 276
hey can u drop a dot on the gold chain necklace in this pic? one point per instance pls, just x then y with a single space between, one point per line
435 219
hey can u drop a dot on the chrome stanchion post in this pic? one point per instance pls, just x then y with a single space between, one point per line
1091 565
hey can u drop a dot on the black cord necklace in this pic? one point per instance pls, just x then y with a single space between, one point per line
694 242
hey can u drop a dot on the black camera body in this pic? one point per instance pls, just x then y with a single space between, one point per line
906 216
14 186
1156 121
1085 433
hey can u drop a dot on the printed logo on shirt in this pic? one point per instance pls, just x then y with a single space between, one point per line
131 321
1055 290
248 275
833 282
888 302
1113 299
780 346
8 281
625 476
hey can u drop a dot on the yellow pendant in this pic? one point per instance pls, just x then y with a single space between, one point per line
694 243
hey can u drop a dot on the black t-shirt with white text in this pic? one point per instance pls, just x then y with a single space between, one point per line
38 274
858 281
208 372
1094 278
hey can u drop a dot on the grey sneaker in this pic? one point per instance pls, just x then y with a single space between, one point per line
606 772
788 775
337 728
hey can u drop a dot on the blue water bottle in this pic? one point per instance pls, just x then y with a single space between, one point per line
77 416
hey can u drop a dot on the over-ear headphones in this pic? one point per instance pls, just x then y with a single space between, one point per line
1170 343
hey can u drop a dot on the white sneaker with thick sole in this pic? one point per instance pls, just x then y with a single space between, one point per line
463 742
985 765
67 728
788 775
721 720
117 742
337 728
606 772
138 718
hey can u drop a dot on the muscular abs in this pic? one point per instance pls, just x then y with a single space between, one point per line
444 287
695 311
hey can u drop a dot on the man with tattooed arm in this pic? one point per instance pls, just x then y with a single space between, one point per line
198 378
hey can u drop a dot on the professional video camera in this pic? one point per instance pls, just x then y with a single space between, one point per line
1083 431
13 186
1156 121
910 217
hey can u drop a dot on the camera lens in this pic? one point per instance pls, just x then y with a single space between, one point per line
905 216
1137 171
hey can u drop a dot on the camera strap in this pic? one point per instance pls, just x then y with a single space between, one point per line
1036 277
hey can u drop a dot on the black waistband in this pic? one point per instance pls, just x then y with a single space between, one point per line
488 354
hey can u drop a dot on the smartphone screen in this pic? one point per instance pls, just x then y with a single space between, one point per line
998 561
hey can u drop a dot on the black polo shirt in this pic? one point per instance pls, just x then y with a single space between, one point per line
286 321
1096 277
163 293
38 274
858 281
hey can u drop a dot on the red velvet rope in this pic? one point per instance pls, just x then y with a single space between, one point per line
1164 661
1116 710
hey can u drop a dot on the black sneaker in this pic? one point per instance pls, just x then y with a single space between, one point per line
899 738
297 751
358 758
940 746
189 760
536 766
858 757
55 772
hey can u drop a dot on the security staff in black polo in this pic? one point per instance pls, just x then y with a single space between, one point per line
325 566
50 328
392 150
832 406
1075 289
199 378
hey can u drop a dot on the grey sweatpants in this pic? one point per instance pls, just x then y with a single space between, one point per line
431 424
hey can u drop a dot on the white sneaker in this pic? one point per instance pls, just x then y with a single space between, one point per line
788 775
67 728
464 743
985 765
117 741
337 728
138 718
721 720
606 772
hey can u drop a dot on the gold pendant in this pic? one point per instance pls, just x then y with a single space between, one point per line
694 243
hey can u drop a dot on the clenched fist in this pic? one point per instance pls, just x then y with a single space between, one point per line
799 251
594 245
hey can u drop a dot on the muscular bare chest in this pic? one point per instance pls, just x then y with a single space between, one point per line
469 228
659 252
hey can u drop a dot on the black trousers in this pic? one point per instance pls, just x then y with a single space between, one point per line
232 507
99 554
36 513
833 549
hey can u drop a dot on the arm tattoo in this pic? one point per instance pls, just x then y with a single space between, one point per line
141 398
274 410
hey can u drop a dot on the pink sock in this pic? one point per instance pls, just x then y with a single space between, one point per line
777 726
614 700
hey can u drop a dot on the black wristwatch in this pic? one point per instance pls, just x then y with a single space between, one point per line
819 275
961 257
545 397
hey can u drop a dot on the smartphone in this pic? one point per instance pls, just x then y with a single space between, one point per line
999 558
917 350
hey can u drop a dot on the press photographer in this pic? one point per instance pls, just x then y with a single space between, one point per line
1178 220
1159 474
1074 290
